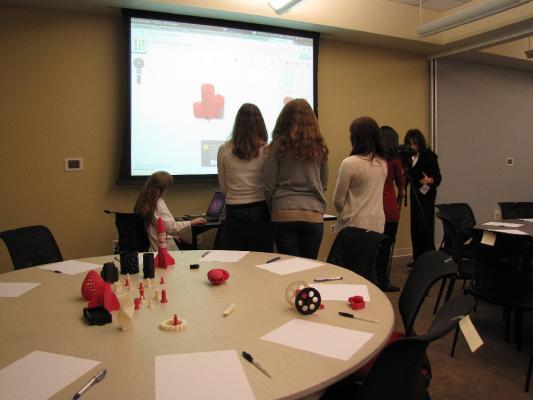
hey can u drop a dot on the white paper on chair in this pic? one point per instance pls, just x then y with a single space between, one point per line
327 340
290 265
224 255
15 289
70 267
526 219
509 231
340 291
40 375
503 224
185 376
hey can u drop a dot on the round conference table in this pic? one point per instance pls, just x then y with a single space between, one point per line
49 318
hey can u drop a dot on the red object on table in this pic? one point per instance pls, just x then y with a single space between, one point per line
218 276
357 302
162 258
164 296
91 284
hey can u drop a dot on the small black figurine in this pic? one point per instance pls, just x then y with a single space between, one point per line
109 272
129 262
148 265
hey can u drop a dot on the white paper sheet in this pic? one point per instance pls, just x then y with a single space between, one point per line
503 224
340 291
223 256
290 265
40 375
509 231
15 289
326 340
210 375
70 267
526 219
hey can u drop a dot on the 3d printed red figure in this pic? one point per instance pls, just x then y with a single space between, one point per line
162 281
162 258
357 302
164 296
211 106
137 303
176 321
218 276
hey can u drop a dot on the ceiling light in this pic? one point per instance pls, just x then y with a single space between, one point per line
283 6
470 14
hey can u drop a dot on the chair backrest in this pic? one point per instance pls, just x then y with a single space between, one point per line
397 372
515 210
31 245
132 233
461 216
429 268
451 243
356 249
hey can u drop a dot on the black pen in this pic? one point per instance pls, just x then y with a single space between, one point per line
273 259
248 357
57 271
97 378
348 315
206 253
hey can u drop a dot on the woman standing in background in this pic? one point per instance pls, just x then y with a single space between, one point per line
358 195
240 177
390 205
296 177
424 177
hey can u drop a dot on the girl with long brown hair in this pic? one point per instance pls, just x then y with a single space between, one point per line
296 177
150 206
240 176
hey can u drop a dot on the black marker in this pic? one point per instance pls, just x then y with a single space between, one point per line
348 315
273 259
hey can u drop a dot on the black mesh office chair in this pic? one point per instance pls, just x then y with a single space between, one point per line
459 241
356 249
515 210
131 232
398 372
428 269
31 245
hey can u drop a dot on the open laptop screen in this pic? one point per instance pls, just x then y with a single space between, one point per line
216 206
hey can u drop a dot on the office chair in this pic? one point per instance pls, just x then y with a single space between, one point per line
356 249
428 269
132 233
398 372
31 245
459 241
516 210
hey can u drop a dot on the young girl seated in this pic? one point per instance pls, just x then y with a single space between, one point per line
150 206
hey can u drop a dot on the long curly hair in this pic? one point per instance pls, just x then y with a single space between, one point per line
152 190
249 132
297 132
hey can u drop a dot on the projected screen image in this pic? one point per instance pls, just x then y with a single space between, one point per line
188 81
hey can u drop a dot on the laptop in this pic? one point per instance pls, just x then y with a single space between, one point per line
215 207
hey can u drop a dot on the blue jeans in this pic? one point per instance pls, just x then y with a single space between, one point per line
300 239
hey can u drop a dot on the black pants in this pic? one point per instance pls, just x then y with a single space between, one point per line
384 255
300 239
422 222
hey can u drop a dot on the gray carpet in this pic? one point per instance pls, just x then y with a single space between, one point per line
495 371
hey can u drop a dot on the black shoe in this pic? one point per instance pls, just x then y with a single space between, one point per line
389 288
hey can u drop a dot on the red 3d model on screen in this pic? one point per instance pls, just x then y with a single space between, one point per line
211 106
